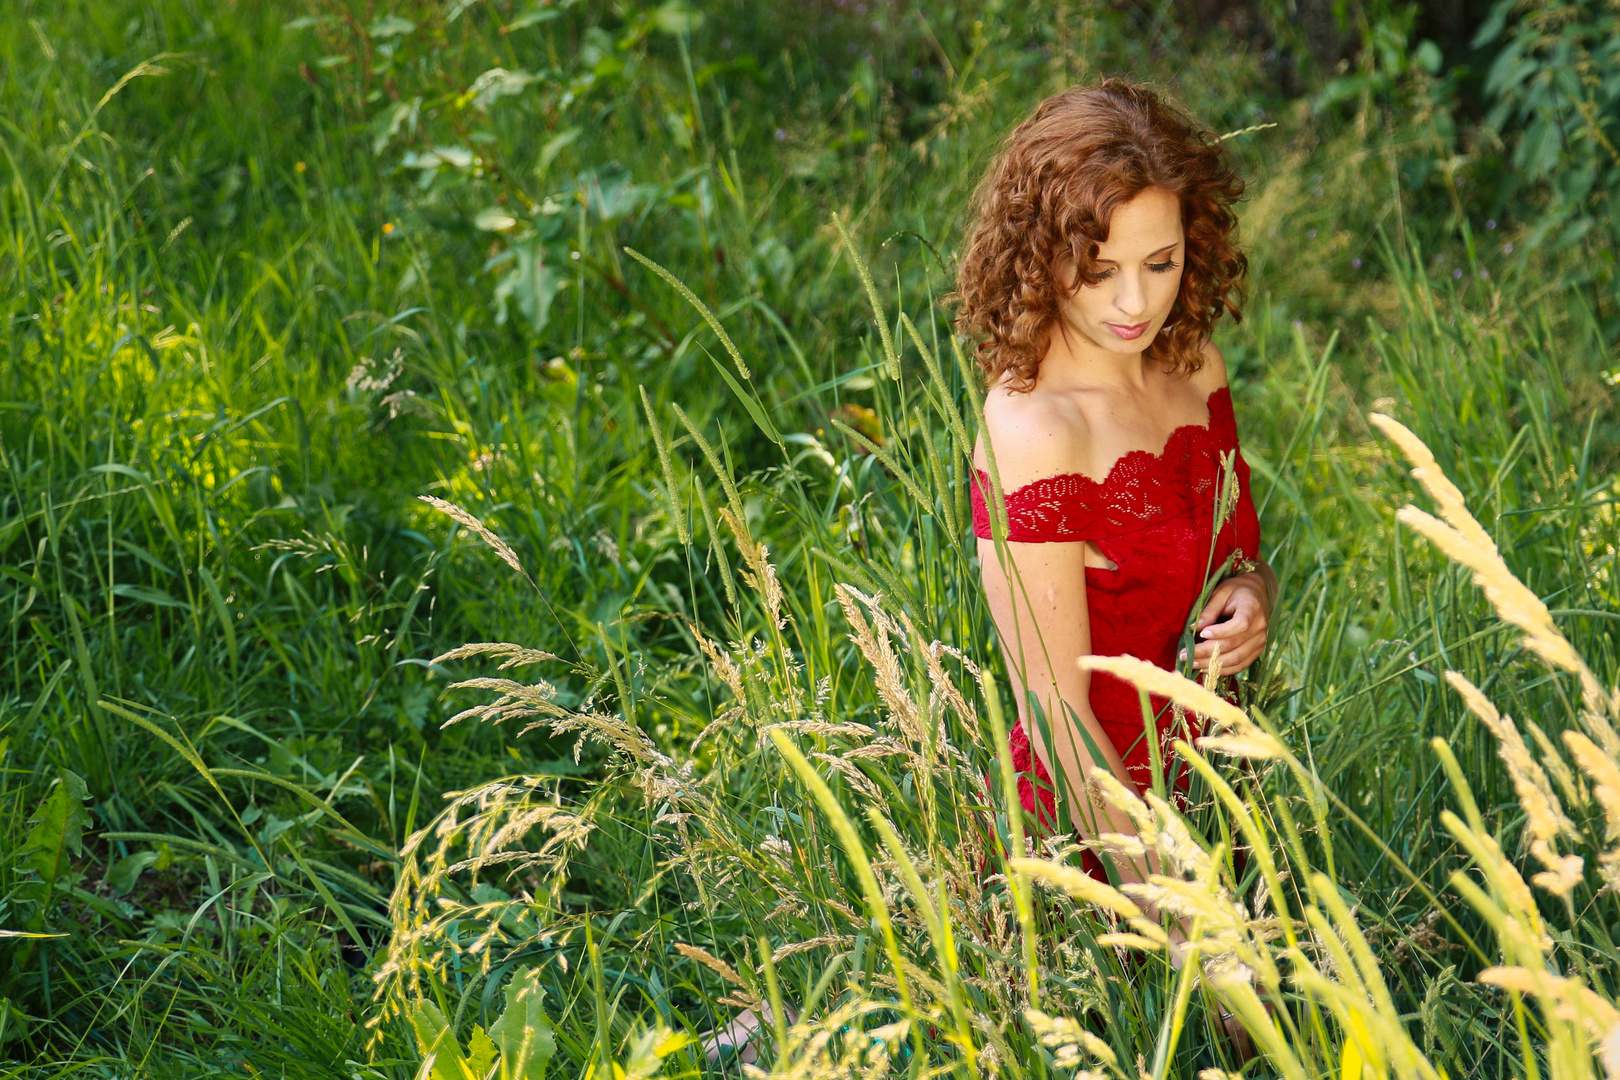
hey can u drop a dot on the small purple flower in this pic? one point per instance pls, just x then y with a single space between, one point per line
916 73
1356 262
1491 224
780 135
1456 274
1507 249
1311 235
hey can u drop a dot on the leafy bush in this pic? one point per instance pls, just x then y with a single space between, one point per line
1554 91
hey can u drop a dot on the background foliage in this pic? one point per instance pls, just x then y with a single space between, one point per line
271 271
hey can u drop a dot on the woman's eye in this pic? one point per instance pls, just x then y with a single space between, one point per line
1163 268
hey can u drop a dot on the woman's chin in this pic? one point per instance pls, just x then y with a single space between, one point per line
1109 341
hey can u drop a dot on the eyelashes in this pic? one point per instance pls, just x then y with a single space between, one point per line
1157 268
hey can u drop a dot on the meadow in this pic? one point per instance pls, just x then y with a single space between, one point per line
485 544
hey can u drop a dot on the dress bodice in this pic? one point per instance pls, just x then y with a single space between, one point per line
1159 519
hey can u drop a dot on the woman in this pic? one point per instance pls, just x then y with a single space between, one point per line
1101 257
1099 261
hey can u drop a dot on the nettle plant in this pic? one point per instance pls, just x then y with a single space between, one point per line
483 152
1554 86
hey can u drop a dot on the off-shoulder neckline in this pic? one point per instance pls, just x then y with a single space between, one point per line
1208 425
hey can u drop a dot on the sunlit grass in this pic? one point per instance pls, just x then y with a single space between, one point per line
227 382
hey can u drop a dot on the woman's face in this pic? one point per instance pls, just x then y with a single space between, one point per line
1140 265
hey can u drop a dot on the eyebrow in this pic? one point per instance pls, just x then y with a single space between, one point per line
1150 254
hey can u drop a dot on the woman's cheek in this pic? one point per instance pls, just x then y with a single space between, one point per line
1167 298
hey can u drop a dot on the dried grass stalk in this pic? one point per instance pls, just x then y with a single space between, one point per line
1604 772
873 639
1463 540
710 961
1078 884
762 575
1168 684
516 655
1544 816
501 548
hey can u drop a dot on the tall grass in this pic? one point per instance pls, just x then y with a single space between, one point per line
832 835
227 380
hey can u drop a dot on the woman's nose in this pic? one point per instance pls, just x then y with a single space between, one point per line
1130 300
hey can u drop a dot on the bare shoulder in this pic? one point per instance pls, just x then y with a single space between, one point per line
1212 375
1033 435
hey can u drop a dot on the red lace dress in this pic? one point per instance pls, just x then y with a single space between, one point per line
1153 516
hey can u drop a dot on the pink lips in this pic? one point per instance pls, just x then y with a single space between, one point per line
1128 333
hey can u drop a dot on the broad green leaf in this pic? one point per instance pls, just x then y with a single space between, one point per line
554 146
391 26
532 17
645 1057
481 1054
56 831
122 875
494 219
435 1039
523 1033
532 282
750 404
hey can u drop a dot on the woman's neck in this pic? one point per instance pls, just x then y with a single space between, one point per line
1074 362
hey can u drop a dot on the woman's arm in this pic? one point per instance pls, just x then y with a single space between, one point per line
1037 596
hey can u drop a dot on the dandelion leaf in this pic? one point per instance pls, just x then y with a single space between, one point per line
437 1042
56 831
523 1033
481 1054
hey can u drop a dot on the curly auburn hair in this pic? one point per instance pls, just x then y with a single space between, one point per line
1049 196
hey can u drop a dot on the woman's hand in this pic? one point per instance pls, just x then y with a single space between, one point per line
1236 617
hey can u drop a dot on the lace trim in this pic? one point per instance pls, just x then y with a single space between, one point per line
1139 489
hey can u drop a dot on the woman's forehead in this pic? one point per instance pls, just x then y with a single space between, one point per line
1147 224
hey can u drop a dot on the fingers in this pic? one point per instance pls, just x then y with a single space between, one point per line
1239 648
1239 660
1232 661
1231 597
1235 626
1235 619
1216 609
